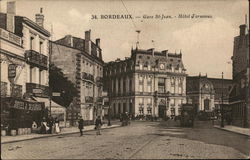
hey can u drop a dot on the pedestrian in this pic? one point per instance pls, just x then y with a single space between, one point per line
44 127
57 125
98 124
51 124
80 126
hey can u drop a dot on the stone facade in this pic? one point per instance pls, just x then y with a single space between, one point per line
25 44
24 69
206 93
147 83
81 62
239 95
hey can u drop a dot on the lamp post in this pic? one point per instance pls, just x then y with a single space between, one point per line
222 111
109 124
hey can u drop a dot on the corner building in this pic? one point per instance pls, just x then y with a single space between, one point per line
24 68
147 83
81 62
239 95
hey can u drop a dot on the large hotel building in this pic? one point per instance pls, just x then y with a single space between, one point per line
147 83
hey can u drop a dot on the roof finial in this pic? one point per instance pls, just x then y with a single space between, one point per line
138 34
41 10
199 74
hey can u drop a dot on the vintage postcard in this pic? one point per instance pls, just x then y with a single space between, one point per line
125 79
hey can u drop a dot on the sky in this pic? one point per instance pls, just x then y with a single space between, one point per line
206 43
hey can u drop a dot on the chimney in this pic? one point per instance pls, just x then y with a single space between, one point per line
97 42
242 30
87 42
69 40
11 12
40 18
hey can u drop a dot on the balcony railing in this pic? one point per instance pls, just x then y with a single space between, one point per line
99 99
89 99
37 89
10 37
34 58
87 76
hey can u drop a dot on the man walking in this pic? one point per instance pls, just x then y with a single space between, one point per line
98 124
80 125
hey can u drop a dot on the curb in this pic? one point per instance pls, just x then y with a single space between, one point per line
231 131
54 135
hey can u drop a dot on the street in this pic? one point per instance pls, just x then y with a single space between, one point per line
148 140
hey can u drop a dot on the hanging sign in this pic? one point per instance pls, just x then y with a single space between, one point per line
11 71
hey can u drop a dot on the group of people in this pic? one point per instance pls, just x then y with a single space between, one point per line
50 125
125 118
98 124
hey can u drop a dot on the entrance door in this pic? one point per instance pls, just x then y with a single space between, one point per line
161 111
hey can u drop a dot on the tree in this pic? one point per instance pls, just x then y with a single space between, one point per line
59 83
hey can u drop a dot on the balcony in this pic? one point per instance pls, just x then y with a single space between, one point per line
87 76
163 94
34 58
89 99
10 37
37 90
99 99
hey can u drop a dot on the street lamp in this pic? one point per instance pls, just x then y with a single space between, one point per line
109 124
222 111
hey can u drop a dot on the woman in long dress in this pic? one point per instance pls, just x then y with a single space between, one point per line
57 125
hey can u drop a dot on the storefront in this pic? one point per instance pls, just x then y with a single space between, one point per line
18 113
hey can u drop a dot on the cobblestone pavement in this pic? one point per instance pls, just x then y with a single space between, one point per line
139 140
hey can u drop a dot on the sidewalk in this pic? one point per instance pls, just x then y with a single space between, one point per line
64 131
235 129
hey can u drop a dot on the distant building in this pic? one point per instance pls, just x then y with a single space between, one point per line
147 83
239 96
24 67
206 93
81 62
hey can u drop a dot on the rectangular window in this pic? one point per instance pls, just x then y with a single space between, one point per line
140 88
149 101
41 47
149 109
172 111
32 43
140 66
141 110
149 88
40 76
141 101
130 85
30 74
124 85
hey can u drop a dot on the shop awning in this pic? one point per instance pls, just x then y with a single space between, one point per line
55 108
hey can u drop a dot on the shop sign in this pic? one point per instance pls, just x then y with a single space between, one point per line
19 104
56 94
32 106
35 106
11 71
37 91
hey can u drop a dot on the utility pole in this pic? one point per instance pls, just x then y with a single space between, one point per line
222 111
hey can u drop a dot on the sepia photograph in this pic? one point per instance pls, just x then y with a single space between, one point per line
125 79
